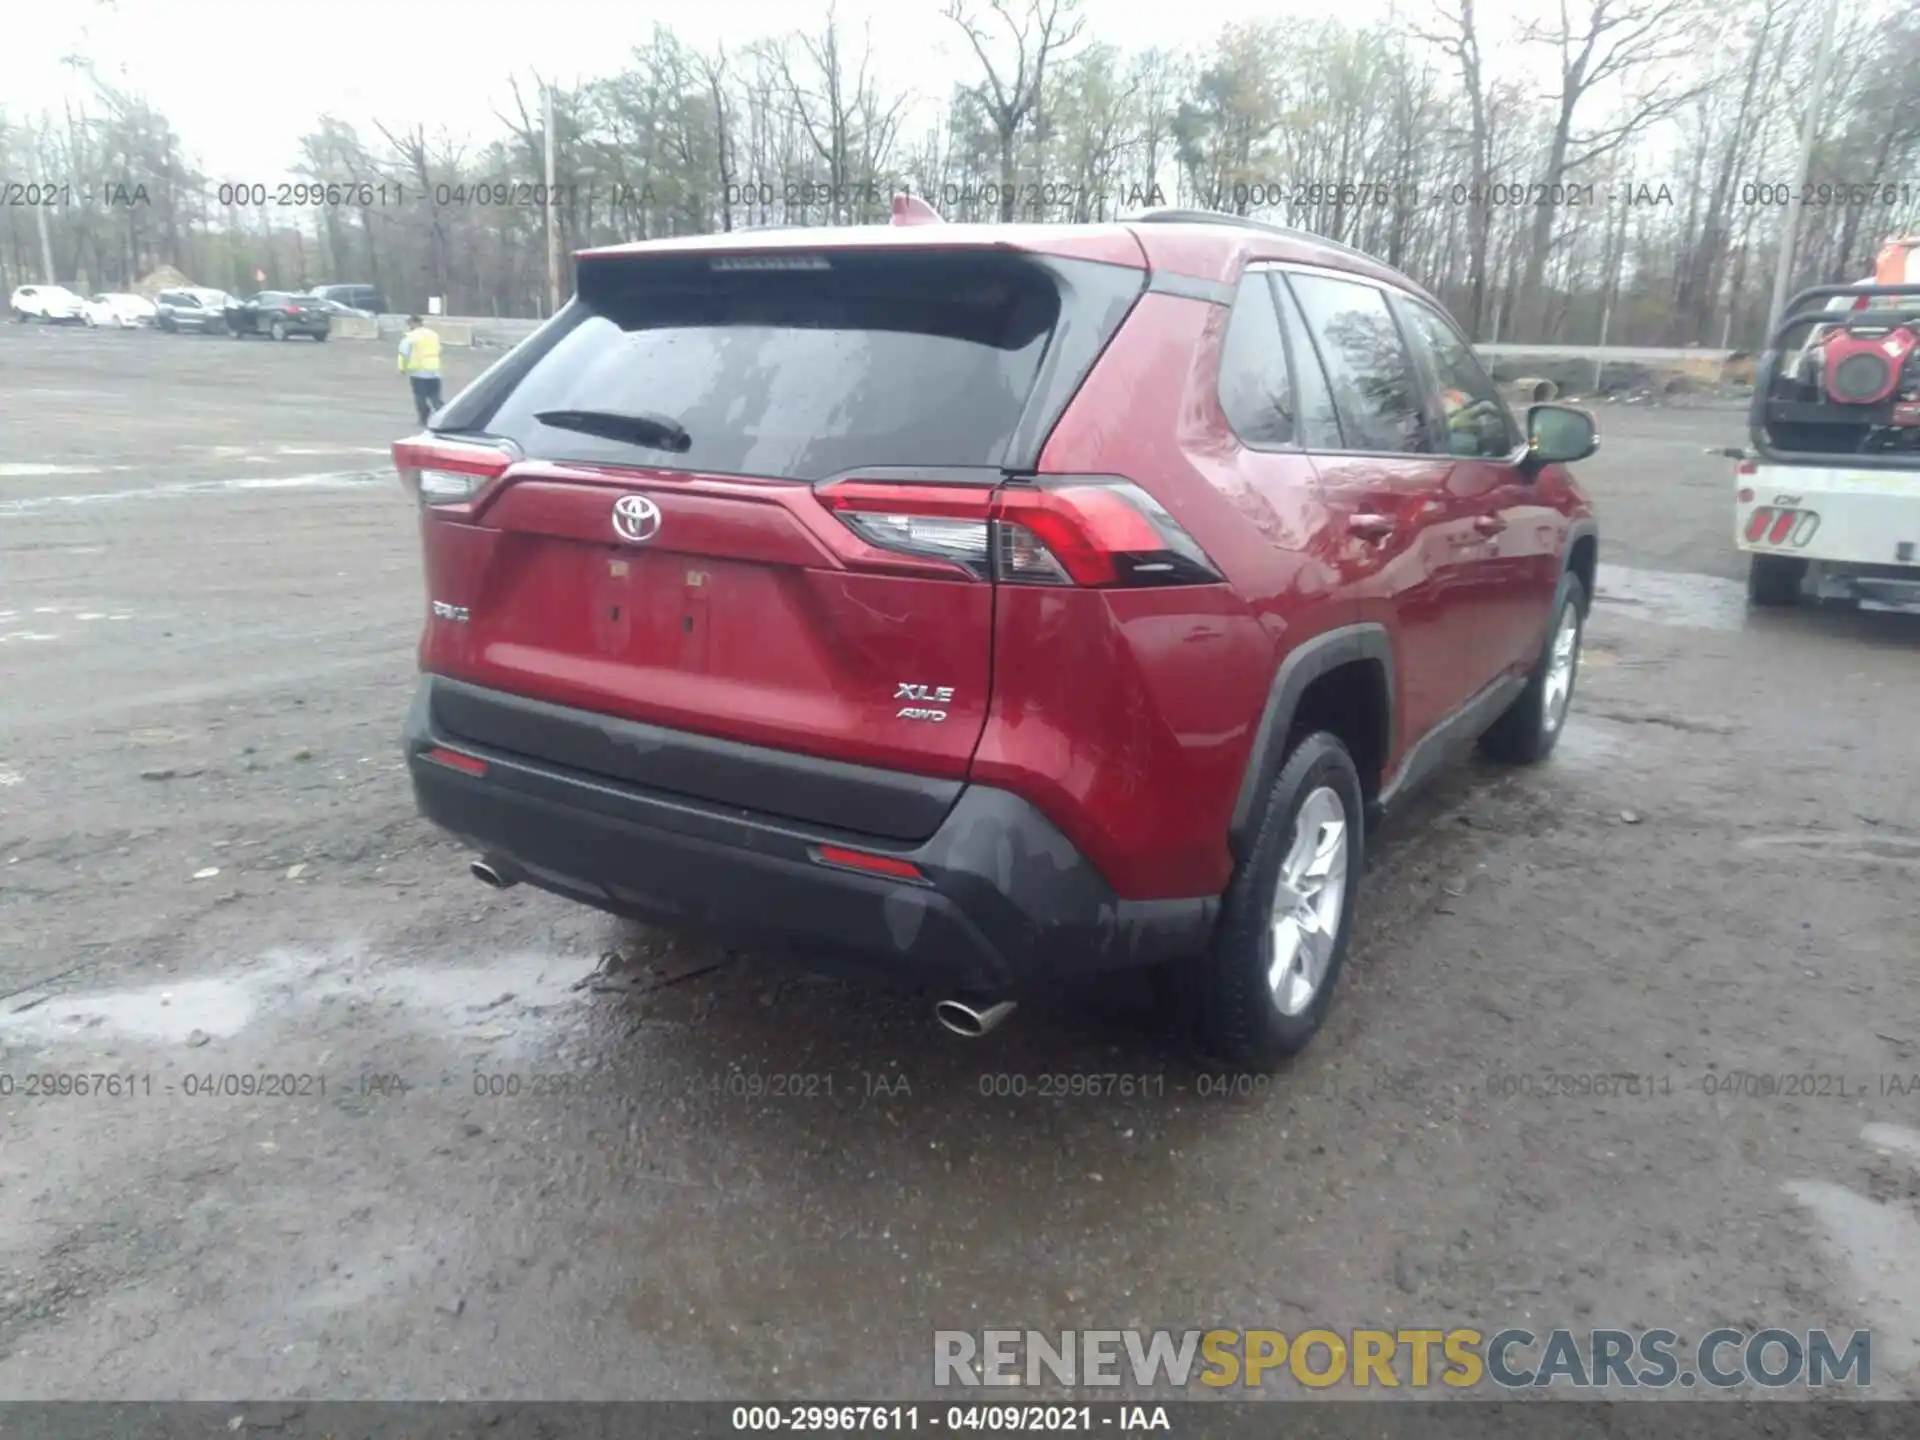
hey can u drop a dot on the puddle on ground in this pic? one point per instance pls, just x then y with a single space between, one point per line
1880 1244
1664 597
497 998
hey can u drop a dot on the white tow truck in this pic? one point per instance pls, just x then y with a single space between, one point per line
1828 499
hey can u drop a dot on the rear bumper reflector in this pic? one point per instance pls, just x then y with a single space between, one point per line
454 760
892 867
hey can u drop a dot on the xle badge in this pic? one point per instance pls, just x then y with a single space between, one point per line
941 694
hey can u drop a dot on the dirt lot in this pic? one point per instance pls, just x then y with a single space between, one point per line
210 867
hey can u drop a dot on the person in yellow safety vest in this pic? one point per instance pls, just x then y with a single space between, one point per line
420 363
1459 420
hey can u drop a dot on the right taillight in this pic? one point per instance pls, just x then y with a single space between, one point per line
1093 531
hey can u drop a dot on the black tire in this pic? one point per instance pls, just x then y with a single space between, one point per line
1774 580
276 331
1236 1016
1530 727
166 324
321 337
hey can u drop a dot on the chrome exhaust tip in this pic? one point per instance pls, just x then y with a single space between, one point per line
487 875
969 1022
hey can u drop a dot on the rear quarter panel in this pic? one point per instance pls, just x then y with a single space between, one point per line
1128 715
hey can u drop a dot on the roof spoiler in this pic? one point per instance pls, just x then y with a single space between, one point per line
912 210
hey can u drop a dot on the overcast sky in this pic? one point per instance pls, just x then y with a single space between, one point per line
241 80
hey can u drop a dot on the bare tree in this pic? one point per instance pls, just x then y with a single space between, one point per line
1597 42
1012 89
1458 38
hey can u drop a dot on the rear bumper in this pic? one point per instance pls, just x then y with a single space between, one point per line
1865 519
1008 902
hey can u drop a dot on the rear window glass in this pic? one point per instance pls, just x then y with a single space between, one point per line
868 359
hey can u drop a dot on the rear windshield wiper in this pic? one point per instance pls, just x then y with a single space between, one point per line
655 432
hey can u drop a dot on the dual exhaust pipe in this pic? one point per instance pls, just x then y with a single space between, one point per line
959 1017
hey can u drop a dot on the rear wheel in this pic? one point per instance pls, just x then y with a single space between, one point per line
321 337
277 330
1266 983
1774 580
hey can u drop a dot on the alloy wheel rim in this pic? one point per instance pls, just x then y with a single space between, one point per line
1309 898
1561 660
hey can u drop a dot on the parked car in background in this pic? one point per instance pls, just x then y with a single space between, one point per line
115 311
278 314
355 297
191 307
991 602
335 307
46 302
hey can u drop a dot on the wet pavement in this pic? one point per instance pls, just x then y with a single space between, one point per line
290 1106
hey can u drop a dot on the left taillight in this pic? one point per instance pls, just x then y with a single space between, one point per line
1094 531
439 472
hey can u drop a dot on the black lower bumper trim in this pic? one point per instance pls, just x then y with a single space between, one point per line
1009 902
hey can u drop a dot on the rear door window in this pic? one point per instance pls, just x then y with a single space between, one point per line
825 364
1376 391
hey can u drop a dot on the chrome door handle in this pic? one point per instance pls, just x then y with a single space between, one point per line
1370 527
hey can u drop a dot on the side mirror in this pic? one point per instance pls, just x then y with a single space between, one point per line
1559 435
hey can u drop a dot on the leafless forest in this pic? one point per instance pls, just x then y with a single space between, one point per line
1630 158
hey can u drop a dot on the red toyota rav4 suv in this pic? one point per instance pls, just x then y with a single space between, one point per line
983 604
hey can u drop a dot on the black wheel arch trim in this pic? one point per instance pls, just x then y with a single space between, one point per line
1304 663
1585 528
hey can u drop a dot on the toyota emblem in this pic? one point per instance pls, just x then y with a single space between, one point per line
635 518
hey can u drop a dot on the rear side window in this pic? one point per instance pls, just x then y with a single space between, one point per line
825 364
1256 389
1319 426
1375 391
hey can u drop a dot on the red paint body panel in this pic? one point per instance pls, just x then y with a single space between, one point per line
741 622
1126 716
1085 699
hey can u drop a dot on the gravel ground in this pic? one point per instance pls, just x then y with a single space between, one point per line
210 868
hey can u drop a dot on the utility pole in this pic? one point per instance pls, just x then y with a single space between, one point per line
47 277
1789 235
553 228
1619 248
